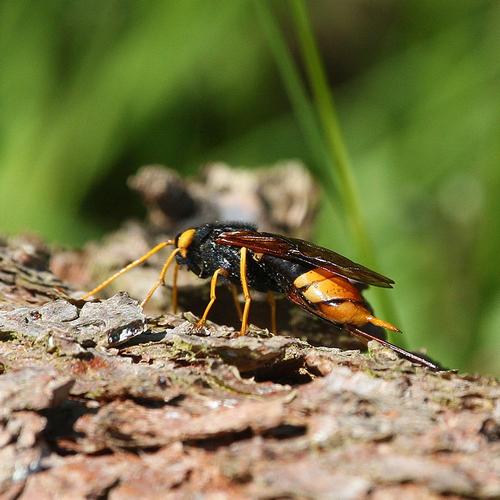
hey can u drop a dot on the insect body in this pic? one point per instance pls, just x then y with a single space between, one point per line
320 281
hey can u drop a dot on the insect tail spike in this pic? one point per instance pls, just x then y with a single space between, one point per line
384 324
406 354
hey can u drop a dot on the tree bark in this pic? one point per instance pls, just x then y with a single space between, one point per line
176 411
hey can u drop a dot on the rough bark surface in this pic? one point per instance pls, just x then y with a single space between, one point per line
177 412
104 400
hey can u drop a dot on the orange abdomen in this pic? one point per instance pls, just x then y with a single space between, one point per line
336 299
319 285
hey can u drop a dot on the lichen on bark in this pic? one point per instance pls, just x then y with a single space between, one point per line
206 412
103 399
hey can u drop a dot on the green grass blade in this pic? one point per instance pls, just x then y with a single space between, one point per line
331 128
302 108
336 170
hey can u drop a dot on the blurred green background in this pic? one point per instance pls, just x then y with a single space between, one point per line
91 89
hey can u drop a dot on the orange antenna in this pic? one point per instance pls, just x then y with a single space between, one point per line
127 268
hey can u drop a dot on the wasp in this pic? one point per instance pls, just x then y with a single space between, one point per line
321 281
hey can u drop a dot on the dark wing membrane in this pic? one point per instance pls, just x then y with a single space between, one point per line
305 253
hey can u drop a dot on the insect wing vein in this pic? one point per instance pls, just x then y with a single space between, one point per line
304 252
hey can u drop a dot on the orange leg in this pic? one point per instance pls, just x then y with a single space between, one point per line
130 266
271 299
174 288
161 279
246 293
213 285
237 305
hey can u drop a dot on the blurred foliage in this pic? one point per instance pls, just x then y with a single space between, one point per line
91 90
